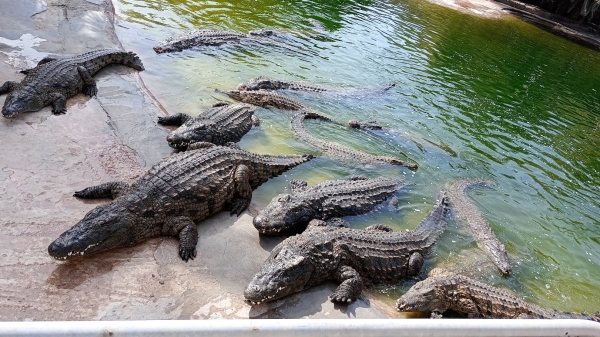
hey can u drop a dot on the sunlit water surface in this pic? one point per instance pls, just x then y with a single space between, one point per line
497 99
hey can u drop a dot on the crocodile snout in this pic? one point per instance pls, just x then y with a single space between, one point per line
174 138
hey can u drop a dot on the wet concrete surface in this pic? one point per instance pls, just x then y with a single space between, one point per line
45 158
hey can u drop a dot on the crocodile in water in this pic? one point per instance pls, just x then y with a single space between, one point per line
444 290
265 83
221 124
53 81
354 257
268 99
289 214
468 213
184 188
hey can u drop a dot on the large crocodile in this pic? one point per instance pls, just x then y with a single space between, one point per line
208 37
268 99
221 124
467 212
265 83
354 257
52 81
182 189
289 214
444 290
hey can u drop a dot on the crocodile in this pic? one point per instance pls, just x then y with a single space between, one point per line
208 37
182 189
221 124
468 213
53 81
265 83
354 257
269 99
289 213
444 290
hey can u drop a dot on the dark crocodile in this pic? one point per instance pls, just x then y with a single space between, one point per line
354 257
444 290
208 37
289 214
184 188
269 99
221 124
53 81
265 83
468 213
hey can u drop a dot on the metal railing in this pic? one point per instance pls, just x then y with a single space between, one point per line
305 327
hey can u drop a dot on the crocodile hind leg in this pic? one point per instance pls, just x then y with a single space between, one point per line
187 231
89 84
7 87
415 262
176 119
350 288
111 189
243 190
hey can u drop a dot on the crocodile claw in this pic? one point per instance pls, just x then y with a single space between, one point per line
187 253
90 91
238 206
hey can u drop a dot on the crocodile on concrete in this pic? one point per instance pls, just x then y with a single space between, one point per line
444 290
265 83
184 188
468 213
208 37
354 257
269 99
53 81
221 124
289 213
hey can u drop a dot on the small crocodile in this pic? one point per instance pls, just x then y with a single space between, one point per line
444 290
53 81
354 257
269 99
289 214
467 212
265 83
184 188
208 37
221 124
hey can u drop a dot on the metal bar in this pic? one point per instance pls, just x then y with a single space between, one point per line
305 327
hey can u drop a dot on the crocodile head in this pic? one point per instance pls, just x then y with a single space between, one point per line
192 131
104 227
18 101
257 83
284 215
284 272
425 296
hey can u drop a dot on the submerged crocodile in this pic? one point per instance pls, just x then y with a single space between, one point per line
444 290
354 257
289 214
265 83
184 188
52 81
268 99
221 124
467 212
208 37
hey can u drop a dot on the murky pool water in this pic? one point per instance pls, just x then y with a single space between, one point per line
497 99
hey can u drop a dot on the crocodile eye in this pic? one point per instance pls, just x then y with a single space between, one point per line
304 218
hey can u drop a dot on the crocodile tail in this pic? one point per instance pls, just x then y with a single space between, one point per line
435 223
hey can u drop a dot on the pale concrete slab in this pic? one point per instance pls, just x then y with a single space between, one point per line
114 136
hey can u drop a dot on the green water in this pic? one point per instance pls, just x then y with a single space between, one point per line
500 99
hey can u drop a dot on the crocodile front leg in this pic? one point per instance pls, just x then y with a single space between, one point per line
59 103
176 119
8 86
255 121
243 190
188 235
111 189
350 288
89 84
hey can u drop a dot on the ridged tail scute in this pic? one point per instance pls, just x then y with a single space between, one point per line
467 212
